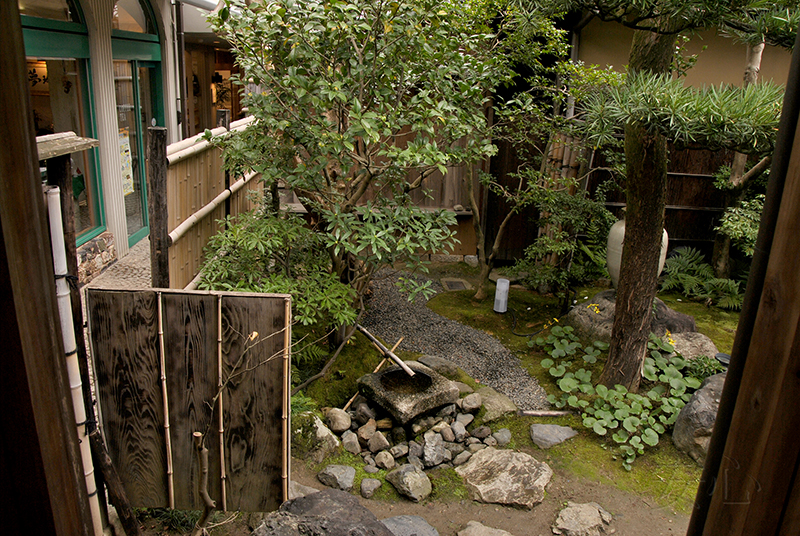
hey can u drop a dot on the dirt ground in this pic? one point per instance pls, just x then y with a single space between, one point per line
633 515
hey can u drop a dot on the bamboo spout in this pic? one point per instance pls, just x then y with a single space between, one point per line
385 350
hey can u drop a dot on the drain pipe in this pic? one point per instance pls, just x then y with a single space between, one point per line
752 298
71 349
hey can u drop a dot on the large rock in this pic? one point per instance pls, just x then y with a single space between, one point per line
327 513
496 404
312 439
586 519
548 435
338 420
505 477
692 431
406 397
338 477
475 528
446 368
593 320
409 526
410 482
691 345
433 449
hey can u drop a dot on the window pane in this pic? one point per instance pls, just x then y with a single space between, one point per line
62 10
130 17
56 96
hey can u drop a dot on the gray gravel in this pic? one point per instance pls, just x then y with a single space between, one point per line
390 316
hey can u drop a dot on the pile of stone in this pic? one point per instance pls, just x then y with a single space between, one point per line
442 439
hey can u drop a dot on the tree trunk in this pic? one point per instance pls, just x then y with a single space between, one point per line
721 257
646 161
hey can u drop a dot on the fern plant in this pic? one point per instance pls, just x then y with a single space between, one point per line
688 273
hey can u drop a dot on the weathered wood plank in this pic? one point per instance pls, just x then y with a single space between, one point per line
253 402
190 348
125 340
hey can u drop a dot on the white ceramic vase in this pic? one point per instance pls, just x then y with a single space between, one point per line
616 238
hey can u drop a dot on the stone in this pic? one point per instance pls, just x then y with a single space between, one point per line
409 526
454 448
404 397
384 424
482 432
399 434
497 405
463 388
415 449
471 260
366 431
433 451
459 431
593 321
350 442
475 528
338 420
471 403
548 435
475 447
447 411
490 442
446 259
399 450
693 344
462 458
416 462
363 414
588 519
439 426
299 490
465 418
369 486
502 436
446 368
312 439
447 434
378 442
692 431
384 460
505 477
338 477
410 482
329 512
371 469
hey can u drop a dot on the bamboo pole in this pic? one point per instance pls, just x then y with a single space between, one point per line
388 353
383 361
167 438
287 387
223 476
71 350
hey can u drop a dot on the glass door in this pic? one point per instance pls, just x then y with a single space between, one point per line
136 86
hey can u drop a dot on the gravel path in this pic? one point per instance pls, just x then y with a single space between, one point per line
390 316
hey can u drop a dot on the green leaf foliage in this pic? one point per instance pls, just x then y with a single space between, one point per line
688 273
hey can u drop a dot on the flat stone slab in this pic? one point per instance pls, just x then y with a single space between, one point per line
548 435
496 404
474 528
409 526
587 519
505 477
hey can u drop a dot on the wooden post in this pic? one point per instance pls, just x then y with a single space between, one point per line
224 120
157 204
40 460
59 173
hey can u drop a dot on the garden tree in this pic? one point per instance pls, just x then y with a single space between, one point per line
775 24
650 108
361 100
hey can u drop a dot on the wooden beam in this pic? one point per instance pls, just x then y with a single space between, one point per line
157 205
41 465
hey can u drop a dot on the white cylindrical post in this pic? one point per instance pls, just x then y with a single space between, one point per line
501 296
71 348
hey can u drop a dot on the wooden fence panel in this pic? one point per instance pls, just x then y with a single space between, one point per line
190 340
254 444
124 335
253 419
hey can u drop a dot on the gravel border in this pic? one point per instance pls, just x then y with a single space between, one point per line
390 316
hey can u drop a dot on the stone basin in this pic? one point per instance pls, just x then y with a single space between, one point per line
404 396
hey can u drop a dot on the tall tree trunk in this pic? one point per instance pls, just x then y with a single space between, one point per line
646 169
721 256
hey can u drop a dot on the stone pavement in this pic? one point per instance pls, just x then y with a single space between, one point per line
130 272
